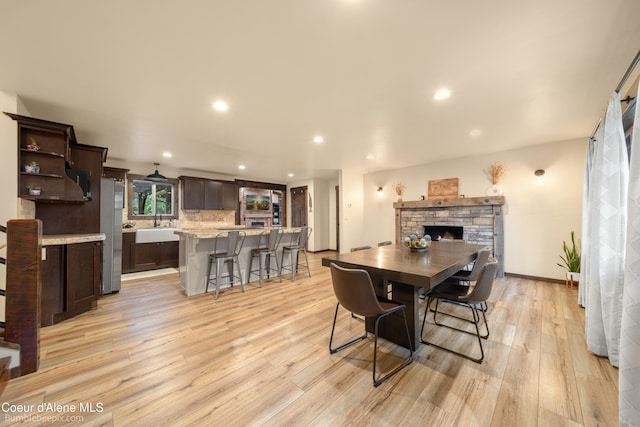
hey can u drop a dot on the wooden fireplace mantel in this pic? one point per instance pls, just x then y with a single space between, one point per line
467 201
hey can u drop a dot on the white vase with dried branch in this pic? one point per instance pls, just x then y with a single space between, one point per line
399 191
495 173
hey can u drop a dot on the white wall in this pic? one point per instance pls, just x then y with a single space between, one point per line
537 217
8 174
353 230
321 214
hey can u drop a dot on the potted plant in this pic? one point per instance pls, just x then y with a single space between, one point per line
571 260
32 167
32 145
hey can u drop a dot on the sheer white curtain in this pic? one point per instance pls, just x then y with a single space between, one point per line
588 169
607 216
629 374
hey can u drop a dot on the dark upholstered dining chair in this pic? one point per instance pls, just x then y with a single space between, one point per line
468 276
472 275
354 291
471 297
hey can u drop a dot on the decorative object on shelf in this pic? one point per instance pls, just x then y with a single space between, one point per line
156 177
441 189
34 191
495 173
399 188
571 261
32 145
32 167
416 243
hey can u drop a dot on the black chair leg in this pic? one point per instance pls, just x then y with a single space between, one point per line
377 382
476 321
353 341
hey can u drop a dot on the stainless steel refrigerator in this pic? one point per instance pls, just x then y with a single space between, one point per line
111 205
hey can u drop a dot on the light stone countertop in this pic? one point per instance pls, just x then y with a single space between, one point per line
208 233
68 239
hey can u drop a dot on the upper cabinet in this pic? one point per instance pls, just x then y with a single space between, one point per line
118 174
60 175
44 157
208 194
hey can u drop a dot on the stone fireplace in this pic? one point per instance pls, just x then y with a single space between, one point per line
481 219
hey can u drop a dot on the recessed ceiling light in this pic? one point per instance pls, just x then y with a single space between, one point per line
242 167
220 106
167 154
290 175
370 157
475 133
318 139
442 94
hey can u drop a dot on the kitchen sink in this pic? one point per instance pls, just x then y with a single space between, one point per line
151 235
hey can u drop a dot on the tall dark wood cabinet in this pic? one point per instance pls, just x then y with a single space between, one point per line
68 203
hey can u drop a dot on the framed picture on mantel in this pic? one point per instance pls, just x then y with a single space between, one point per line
443 189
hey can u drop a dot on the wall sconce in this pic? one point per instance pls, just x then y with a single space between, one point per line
379 190
539 173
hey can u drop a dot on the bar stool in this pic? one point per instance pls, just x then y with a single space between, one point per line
298 244
266 251
221 256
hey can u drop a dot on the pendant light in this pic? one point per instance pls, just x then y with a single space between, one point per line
156 177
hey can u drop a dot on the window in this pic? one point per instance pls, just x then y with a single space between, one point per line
148 198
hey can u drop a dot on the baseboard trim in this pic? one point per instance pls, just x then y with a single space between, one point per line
540 279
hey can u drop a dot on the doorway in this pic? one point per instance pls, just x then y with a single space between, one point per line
299 206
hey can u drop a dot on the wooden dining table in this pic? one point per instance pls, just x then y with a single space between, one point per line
407 271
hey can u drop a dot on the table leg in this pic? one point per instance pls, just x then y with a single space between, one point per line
392 327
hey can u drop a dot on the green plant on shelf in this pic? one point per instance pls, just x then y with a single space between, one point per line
32 167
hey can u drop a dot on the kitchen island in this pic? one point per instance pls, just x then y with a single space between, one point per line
197 244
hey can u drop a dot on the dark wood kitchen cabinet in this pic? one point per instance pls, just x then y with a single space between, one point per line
147 256
44 153
128 240
208 194
71 280
152 256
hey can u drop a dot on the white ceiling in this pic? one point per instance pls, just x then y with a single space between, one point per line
139 77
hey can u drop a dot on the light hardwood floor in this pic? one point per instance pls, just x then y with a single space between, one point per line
151 356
